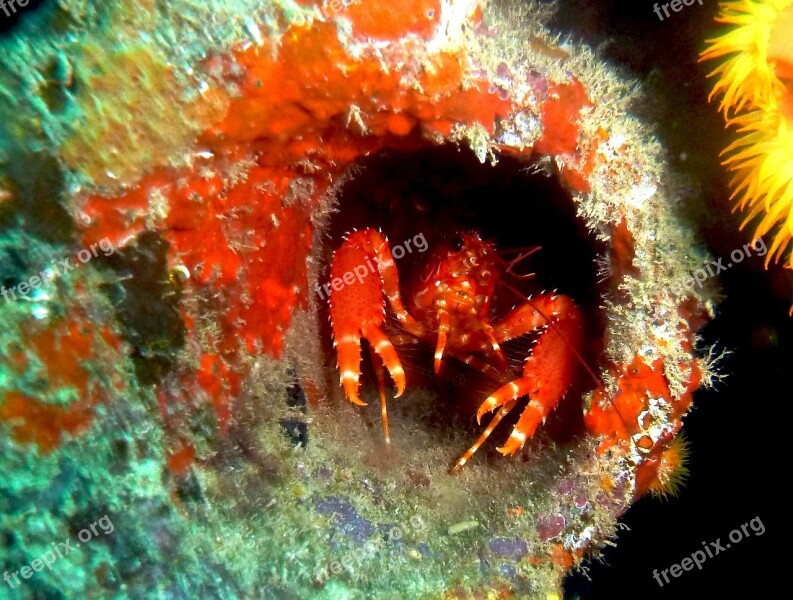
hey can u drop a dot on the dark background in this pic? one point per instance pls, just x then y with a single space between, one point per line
738 431
14 13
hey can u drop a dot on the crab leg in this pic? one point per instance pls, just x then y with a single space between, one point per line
444 324
532 315
547 372
502 412
380 374
495 350
477 363
348 359
363 276
390 281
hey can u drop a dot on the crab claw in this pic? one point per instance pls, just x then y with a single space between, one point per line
547 373
504 394
357 308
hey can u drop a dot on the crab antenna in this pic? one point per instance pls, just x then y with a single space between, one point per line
429 274
519 249
523 253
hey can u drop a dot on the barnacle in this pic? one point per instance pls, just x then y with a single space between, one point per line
754 83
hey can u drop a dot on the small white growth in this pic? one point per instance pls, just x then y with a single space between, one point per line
253 29
639 195
39 312
451 25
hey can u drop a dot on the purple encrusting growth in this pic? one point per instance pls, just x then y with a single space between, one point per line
617 499
346 519
539 84
515 548
323 475
550 526
424 548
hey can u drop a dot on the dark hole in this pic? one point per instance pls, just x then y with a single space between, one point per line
9 539
296 397
146 305
441 192
122 452
188 489
11 13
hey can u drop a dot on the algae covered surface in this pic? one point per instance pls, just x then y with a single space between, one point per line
174 179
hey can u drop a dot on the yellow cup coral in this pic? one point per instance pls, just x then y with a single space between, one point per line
754 82
672 469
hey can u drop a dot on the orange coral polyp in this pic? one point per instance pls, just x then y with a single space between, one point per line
780 42
757 54
780 54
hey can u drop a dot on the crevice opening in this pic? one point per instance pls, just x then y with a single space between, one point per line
442 191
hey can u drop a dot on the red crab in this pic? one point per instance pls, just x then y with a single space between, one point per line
452 305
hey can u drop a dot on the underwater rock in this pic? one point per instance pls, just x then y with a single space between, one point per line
215 147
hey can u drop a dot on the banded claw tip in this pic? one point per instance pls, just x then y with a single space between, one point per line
514 443
487 406
506 450
356 400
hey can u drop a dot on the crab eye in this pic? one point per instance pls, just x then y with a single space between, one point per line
457 243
